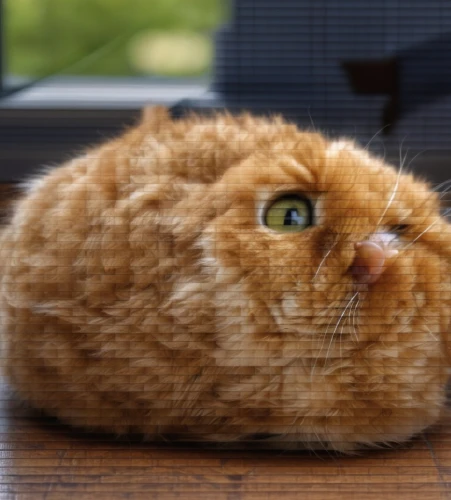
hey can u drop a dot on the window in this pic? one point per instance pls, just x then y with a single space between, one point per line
165 38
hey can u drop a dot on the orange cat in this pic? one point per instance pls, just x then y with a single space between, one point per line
228 278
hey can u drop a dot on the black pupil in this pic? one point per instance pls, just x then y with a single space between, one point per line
292 218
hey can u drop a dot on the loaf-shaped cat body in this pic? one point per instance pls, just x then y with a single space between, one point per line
228 278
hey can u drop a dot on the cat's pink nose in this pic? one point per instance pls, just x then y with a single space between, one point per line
370 261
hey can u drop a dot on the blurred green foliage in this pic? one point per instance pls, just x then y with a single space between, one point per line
91 37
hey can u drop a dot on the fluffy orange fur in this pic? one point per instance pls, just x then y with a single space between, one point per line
141 292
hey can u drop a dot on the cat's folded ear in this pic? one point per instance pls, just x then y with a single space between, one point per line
154 117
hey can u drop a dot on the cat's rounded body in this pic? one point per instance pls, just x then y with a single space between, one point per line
143 291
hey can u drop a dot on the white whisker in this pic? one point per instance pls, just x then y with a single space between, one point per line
421 234
339 321
442 184
430 333
354 314
321 347
414 158
374 136
333 334
444 192
323 261
311 119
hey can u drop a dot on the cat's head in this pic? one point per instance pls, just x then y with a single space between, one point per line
327 273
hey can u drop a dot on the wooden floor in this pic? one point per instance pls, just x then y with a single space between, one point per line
42 459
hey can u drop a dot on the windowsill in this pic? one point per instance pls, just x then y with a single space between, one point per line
104 93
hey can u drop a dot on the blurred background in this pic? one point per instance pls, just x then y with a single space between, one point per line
76 72
171 38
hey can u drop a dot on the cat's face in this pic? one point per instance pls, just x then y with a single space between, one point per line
344 338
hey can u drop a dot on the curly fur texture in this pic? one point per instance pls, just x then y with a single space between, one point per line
141 292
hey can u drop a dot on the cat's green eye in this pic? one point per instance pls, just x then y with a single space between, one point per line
289 214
